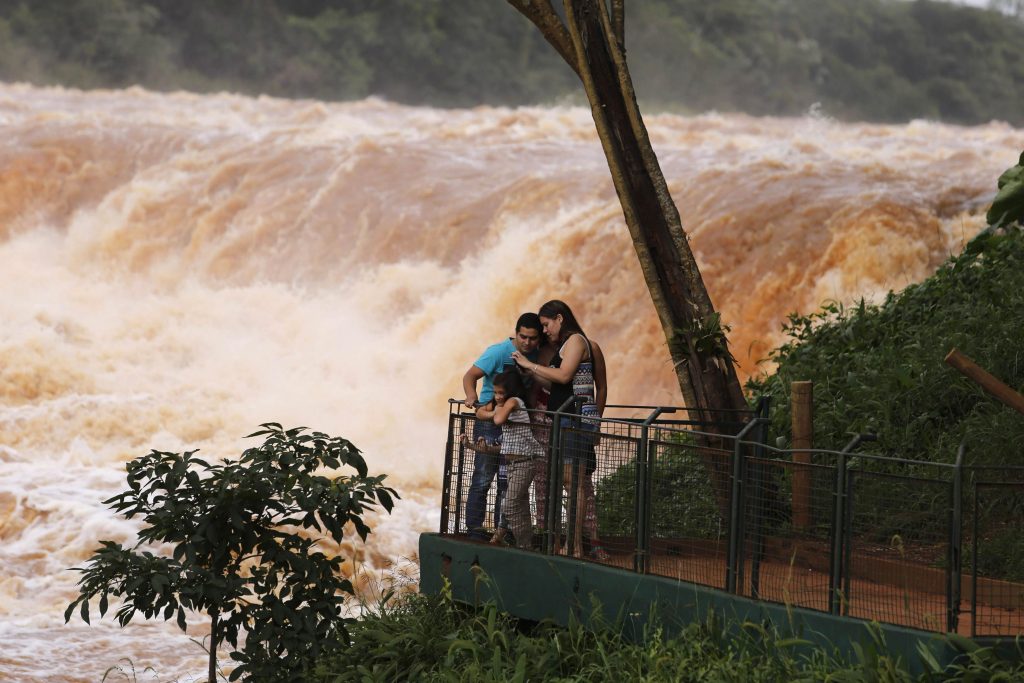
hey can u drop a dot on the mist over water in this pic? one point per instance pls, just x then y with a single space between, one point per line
178 269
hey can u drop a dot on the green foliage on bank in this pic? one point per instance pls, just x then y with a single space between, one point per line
432 638
880 368
882 60
683 503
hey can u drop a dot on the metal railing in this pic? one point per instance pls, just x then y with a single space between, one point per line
704 499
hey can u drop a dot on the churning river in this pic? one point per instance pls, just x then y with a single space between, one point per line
176 269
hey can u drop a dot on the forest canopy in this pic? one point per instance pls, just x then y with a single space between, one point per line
875 60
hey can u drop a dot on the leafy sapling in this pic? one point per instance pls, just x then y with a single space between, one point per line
238 552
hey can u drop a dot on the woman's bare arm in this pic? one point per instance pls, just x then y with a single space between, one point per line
572 355
600 378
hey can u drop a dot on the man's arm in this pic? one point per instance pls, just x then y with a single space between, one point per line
469 380
600 378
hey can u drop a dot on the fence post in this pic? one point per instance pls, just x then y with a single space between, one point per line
460 469
733 562
802 401
839 535
954 559
553 514
762 477
974 558
642 501
851 475
835 574
446 478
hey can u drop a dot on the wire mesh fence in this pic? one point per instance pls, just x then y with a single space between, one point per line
932 546
993 588
790 513
897 548
687 501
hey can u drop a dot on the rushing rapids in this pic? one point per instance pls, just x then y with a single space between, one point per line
179 268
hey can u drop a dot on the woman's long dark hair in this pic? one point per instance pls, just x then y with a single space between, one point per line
570 325
512 383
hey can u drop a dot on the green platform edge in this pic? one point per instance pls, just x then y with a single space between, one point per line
534 586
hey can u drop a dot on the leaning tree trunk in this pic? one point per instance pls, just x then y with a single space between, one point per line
591 42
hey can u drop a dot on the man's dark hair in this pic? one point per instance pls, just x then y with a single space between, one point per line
531 321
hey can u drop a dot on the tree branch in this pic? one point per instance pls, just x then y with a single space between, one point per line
619 22
544 17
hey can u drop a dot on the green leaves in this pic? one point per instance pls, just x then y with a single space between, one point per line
1008 205
881 365
707 337
432 638
230 554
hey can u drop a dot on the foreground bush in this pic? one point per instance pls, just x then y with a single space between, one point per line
432 638
235 552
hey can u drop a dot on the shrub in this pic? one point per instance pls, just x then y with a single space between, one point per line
236 553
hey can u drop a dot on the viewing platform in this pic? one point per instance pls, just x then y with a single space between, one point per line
691 514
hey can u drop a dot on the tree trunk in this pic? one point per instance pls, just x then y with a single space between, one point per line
590 40
214 627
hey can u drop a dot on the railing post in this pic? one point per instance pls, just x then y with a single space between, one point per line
446 478
642 501
552 520
954 559
851 476
839 535
974 559
835 574
733 561
761 478
553 514
461 467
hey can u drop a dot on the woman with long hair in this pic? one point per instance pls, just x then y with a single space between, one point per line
571 374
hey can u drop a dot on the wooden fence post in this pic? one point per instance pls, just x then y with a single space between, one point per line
802 409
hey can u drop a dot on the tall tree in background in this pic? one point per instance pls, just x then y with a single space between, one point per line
591 40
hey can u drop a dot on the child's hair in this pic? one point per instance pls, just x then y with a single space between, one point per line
512 383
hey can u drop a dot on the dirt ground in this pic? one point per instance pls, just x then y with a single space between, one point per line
906 600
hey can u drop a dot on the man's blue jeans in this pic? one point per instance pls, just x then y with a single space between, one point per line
485 466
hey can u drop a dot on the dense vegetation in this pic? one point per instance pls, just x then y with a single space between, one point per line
880 367
880 60
431 638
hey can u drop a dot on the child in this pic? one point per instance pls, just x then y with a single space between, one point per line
518 449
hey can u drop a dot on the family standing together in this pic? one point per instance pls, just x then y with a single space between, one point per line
548 365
